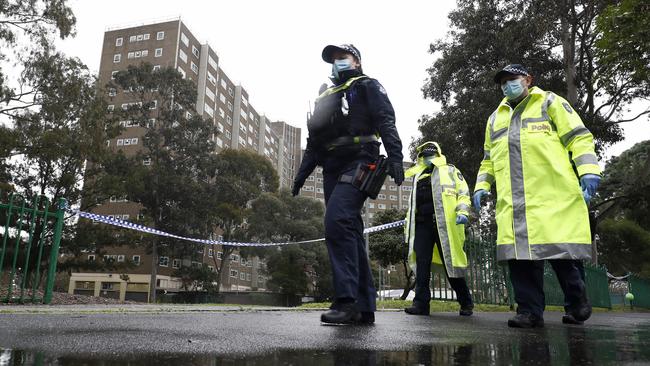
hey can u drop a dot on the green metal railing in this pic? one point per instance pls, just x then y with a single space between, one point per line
640 288
32 234
489 281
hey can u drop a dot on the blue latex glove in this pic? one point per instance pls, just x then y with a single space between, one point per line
461 220
476 200
589 184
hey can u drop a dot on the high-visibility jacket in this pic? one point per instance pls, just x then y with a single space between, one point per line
450 197
540 210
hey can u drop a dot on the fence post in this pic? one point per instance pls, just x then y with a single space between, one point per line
54 253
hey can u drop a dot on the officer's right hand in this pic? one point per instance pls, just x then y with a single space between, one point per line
476 199
396 170
297 184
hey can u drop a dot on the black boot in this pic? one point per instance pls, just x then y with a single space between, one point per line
525 320
466 310
569 319
345 313
418 309
367 318
582 310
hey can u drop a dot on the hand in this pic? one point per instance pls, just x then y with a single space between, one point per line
476 200
396 170
461 220
297 184
589 183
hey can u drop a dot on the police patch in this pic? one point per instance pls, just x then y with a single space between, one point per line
382 90
460 176
567 107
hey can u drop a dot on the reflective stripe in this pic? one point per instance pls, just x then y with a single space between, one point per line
450 171
486 155
493 118
517 183
548 251
441 222
550 97
586 159
463 192
485 177
462 207
569 136
336 89
410 225
498 134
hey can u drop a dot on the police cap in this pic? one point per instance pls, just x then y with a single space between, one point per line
513 69
328 52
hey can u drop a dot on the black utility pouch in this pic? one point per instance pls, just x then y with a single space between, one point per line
375 180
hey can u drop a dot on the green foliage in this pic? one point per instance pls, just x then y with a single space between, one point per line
387 247
287 270
625 247
194 278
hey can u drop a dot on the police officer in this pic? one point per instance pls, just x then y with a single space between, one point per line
348 119
531 140
438 212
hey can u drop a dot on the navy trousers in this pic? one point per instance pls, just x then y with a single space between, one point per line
426 234
527 279
345 242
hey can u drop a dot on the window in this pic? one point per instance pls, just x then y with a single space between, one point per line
145 53
248 276
146 161
140 37
91 257
222 98
242 276
182 72
120 142
230 106
234 257
160 36
230 91
111 107
120 258
381 196
118 41
210 253
112 92
130 55
163 262
223 84
195 51
132 39
405 198
393 197
392 188
406 188
209 94
176 263
182 55
308 189
219 255
116 58
194 67
151 122
113 74
233 273
158 52
319 190
156 67
228 135
381 206
229 120
185 40
153 105
209 110
371 205
219 142
145 36
222 113
212 62
311 178
212 79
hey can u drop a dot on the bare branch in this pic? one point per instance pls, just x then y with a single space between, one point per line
647 111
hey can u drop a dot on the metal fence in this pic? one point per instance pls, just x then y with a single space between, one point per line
30 247
489 281
640 288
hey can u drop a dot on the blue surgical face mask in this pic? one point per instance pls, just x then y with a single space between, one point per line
513 89
341 65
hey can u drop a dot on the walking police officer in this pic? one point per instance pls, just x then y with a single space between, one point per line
531 141
348 120
438 212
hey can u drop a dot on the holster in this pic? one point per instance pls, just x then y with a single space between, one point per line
368 178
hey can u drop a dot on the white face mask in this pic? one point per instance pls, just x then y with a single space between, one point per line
339 66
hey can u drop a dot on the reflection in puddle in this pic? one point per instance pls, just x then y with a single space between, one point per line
563 346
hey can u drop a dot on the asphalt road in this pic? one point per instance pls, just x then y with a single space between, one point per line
200 336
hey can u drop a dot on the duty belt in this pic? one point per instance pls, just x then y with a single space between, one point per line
350 140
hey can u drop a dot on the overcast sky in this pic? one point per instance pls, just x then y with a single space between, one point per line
273 48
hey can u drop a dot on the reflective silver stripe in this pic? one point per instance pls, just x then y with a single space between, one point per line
485 177
548 251
517 183
463 192
550 97
486 155
493 118
586 159
441 222
498 134
462 206
410 229
569 136
447 186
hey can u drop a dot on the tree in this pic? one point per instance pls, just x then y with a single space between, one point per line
623 205
175 187
387 247
488 34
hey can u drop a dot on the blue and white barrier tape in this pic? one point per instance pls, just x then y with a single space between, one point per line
129 225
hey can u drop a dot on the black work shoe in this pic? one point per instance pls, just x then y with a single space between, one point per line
342 314
525 320
417 310
367 318
569 319
582 311
467 310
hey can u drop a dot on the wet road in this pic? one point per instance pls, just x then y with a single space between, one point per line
265 337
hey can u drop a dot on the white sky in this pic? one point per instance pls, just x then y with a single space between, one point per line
273 48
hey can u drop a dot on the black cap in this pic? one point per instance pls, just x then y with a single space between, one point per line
328 52
514 69
429 150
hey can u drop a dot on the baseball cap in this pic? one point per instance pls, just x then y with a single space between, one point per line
328 52
513 69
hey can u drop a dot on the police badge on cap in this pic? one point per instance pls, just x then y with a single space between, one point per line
328 52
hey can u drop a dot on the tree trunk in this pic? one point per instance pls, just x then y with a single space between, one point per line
568 51
154 271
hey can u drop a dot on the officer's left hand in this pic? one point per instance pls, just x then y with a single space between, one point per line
461 220
589 183
396 170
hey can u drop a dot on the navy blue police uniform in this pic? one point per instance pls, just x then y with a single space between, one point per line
361 111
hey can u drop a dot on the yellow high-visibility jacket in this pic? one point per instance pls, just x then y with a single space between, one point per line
450 197
540 211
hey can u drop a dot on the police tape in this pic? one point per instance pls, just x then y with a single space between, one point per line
130 225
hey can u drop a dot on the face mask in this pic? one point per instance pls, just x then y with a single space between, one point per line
512 89
341 65
428 160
